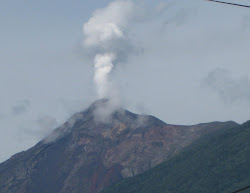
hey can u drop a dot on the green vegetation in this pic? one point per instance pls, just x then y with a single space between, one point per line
218 163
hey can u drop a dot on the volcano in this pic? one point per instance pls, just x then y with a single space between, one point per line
86 155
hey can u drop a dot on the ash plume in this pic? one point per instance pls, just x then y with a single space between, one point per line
103 66
106 39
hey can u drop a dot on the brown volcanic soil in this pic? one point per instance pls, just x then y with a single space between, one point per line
85 156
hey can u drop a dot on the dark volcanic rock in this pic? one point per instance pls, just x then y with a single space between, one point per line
85 155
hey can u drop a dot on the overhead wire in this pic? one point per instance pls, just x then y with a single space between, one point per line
240 5
248 187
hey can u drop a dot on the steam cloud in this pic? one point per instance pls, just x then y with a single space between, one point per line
103 66
105 35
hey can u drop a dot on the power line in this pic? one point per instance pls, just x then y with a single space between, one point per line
242 189
248 6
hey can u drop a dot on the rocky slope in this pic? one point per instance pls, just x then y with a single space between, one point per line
85 155
218 163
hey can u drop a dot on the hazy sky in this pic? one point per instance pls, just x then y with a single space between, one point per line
191 64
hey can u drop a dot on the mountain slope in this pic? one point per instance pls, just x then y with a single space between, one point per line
85 155
219 163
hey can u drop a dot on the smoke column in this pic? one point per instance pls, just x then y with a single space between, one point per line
103 66
106 40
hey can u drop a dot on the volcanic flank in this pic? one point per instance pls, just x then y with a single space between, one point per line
85 155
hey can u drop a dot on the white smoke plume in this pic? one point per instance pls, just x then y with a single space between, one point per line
105 34
103 66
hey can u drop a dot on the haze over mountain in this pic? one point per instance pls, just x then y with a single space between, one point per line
87 154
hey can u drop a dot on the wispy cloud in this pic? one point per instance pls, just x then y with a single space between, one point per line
230 89
21 107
